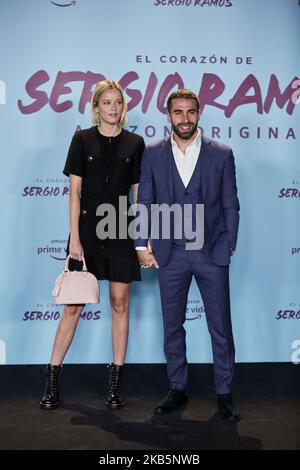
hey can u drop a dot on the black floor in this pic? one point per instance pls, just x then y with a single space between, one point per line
268 394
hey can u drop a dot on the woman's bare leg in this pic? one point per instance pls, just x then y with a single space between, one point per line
119 300
65 332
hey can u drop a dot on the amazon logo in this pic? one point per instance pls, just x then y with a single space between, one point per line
73 3
196 317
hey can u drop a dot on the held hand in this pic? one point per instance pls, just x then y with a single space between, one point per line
146 259
155 263
75 250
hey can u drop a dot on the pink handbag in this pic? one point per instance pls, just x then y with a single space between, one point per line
76 287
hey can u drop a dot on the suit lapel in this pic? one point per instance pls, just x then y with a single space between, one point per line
205 164
167 169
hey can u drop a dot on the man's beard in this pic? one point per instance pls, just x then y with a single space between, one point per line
185 135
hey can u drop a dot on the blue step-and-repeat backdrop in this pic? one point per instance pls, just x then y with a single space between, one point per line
242 58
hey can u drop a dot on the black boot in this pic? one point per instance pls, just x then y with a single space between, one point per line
174 400
228 408
50 399
115 398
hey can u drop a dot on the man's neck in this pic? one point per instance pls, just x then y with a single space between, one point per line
184 143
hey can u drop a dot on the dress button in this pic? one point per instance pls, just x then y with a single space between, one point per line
83 212
90 158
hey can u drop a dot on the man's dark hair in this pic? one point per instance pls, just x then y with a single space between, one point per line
182 93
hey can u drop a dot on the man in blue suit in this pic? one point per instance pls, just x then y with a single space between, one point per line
189 169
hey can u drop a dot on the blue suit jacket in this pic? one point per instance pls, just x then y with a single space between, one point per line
219 192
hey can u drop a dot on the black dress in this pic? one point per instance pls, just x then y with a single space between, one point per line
108 167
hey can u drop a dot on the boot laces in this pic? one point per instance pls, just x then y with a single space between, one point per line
115 381
52 383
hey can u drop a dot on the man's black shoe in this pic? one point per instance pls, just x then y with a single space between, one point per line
172 402
227 408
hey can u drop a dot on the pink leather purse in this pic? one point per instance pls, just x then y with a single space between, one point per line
76 287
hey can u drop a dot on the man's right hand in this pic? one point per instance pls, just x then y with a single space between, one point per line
146 258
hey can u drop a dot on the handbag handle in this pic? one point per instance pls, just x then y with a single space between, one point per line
66 268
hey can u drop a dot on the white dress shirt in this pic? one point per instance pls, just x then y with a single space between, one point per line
186 162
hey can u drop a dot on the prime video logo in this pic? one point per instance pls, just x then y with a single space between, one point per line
2 92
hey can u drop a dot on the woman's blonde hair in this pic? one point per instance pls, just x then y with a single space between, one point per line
100 88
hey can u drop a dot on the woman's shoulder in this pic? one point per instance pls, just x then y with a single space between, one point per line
132 137
86 133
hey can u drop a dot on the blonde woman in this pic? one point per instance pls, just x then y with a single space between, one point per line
103 163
